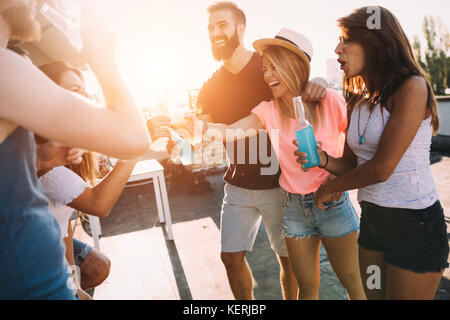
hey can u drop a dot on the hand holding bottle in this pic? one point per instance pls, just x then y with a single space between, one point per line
304 133
302 157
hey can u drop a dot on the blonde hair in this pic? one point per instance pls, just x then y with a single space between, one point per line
294 72
88 168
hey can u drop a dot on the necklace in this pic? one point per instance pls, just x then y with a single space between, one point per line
362 137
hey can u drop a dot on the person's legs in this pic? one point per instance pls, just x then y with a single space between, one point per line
302 242
239 274
94 269
239 225
371 250
415 264
94 265
269 204
343 255
304 255
288 281
338 226
372 269
402 284
412 249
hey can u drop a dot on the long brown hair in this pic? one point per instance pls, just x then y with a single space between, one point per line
294 72
88 168
389 61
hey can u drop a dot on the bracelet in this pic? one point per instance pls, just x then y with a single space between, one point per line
326 163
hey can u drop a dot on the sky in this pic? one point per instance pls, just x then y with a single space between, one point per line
164 50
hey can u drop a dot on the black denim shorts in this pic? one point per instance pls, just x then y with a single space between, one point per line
415 240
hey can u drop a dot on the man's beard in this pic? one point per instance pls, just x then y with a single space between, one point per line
226 51
22 25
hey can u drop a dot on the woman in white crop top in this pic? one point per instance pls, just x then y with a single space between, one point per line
403 246
67 191
77 188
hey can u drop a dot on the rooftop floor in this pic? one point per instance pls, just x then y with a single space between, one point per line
145 265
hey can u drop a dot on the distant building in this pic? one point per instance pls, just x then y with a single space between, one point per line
334 74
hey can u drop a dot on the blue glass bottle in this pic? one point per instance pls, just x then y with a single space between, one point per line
186 152
304 133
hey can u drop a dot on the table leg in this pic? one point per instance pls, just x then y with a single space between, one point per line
165 201
156 186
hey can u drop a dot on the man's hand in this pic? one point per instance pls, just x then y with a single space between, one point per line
315 90
53 154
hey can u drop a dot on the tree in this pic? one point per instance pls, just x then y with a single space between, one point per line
435 59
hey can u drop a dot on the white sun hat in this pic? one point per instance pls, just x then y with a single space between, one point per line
289 39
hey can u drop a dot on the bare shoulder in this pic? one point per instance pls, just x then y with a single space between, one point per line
414 86
7 59
21 83
17 67
411 96
14 67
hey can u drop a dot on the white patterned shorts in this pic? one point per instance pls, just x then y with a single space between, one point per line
242 210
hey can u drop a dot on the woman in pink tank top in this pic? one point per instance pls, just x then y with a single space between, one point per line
286 60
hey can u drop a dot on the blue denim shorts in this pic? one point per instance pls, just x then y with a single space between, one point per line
303 219
81 251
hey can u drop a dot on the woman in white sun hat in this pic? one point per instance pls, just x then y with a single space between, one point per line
286 66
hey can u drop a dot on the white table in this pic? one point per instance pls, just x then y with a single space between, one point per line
152 169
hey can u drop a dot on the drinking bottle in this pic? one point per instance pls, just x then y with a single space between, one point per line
186 152
304 133
69 28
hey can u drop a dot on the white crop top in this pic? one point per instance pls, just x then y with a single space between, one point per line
62 186
411 185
